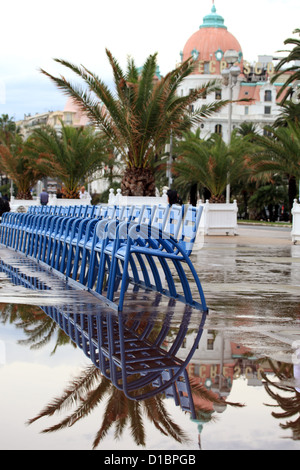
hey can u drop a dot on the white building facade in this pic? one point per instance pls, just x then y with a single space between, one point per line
208 48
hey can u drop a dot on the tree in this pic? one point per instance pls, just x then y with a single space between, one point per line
20 166
271 196
210 162
72 154
7 128
289 112
279 153
139 115
294 70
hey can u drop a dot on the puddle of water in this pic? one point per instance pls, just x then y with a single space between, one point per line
244 374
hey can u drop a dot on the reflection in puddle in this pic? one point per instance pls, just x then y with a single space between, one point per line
243 375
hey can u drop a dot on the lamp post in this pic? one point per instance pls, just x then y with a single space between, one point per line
230 76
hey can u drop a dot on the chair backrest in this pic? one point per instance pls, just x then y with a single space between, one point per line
71 211
90 211
127 213
137 214
99 211
110 213
190 225
174 221
160 217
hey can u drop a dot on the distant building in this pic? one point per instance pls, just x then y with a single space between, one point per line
207 46
70 116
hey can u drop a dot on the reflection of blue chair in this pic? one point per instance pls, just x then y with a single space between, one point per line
141 367
137 351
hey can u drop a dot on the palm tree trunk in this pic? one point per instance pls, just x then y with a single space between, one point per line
138 182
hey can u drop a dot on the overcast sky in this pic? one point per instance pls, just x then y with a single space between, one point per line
34 32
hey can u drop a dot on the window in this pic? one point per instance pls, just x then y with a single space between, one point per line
267 109
210 344
246 109
218 95
218 129
68 118
267 133
268 95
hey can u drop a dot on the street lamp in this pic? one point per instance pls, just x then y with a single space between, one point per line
230 76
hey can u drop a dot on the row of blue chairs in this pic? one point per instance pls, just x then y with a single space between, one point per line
107 248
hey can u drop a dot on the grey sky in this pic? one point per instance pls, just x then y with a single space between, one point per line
33 33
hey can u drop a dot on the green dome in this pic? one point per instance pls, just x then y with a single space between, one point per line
213 20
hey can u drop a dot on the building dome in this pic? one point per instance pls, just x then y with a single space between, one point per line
208 45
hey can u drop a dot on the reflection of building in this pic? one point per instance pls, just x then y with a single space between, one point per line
216 363
207 46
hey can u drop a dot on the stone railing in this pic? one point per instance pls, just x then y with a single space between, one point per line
219 219
296 222
21 205
120 200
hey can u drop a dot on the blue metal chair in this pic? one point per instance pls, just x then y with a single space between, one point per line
65 235
150 243
59 230
19 230
39 229
86 246
106 234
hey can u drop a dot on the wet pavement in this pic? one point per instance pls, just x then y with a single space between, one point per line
244 373
252 287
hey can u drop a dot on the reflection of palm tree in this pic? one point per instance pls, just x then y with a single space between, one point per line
289 404
88 390
38 327
210 396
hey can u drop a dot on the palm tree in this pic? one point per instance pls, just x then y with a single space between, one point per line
139 115
209 162
18 164
289 112
271 195
293 55
7 128
279 153
247 129
72 154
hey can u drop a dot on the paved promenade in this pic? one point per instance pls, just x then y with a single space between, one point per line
251 283
256 235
